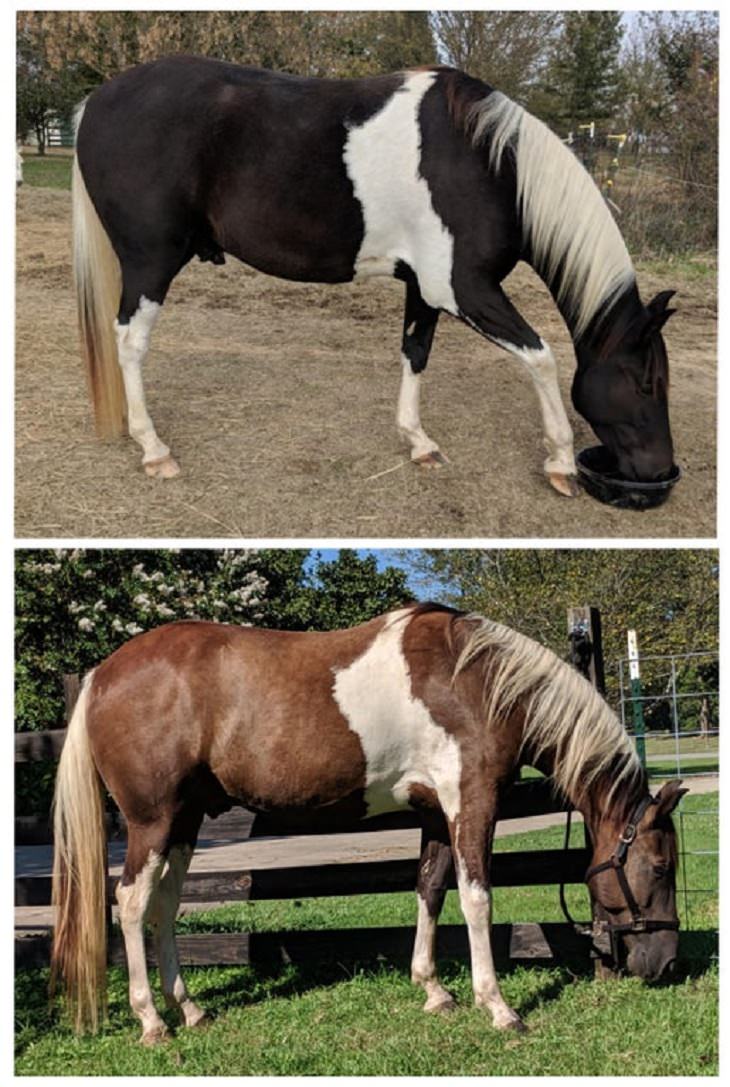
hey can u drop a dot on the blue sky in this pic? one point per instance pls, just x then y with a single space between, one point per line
385 556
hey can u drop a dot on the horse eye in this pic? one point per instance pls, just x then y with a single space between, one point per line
660 870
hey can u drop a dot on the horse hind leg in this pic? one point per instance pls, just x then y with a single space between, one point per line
137 317
142 871
162 919
433 870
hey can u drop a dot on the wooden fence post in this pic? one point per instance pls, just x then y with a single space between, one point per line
71 688
586 654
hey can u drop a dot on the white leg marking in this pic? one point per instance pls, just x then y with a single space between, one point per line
162 917
423 963
477 907
382 158
408 417
134 900
133 341
543 370
401 742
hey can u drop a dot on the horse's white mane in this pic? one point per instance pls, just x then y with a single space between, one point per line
575 241
564 714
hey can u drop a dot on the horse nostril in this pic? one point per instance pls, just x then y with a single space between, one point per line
670 967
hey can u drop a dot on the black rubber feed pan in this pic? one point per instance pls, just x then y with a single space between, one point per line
599 475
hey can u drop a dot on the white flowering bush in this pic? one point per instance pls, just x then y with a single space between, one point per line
75 606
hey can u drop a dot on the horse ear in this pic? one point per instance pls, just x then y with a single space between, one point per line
658 312
659 303
669 796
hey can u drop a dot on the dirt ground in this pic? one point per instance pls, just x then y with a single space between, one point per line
278 401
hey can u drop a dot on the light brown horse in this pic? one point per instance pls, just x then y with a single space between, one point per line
423 707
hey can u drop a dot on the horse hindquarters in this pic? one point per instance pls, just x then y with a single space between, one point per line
122 277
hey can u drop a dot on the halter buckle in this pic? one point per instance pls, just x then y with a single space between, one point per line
629 834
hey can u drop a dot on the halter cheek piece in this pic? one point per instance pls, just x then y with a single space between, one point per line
638 923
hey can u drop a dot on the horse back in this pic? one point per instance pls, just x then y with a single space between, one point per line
279 720
252 158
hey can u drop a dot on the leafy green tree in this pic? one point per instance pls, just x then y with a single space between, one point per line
44 91
350 588
584 74
507 49
669 596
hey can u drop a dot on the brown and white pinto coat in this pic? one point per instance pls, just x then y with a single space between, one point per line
422 707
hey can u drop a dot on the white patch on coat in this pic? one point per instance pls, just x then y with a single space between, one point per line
382 158
133 341
402 744
542 368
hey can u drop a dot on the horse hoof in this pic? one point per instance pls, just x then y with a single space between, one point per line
200 1022
165 468
442 1005
514 1024
154 1037
564 484
434 459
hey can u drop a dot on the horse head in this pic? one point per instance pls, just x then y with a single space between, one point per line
620 387
632 879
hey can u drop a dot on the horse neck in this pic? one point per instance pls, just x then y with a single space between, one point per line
604 809
606 329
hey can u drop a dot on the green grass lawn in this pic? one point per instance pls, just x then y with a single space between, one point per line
366 1018
47 171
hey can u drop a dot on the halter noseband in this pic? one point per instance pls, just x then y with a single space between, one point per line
638 923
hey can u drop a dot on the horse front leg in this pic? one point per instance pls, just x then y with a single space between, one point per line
471 845
492 314
419 325
434 866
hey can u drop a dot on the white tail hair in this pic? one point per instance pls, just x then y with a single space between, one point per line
576 245
79 875
97 277
564 714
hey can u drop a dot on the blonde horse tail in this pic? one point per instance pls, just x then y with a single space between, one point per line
78 956
97 278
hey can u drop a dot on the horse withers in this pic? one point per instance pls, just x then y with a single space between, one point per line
423 708
429 176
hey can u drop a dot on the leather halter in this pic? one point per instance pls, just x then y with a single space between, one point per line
638 923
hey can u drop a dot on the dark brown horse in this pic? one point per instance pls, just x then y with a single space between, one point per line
428 176
423 707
